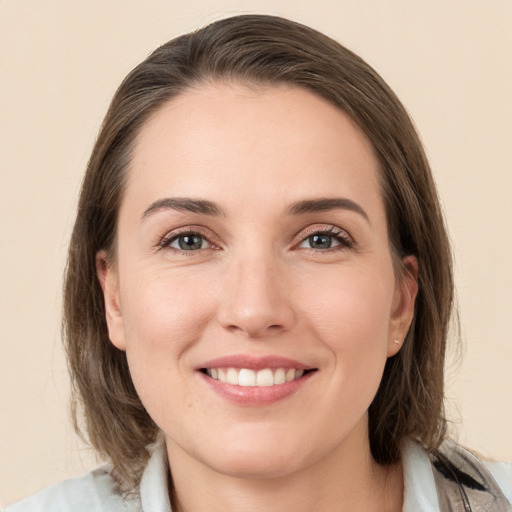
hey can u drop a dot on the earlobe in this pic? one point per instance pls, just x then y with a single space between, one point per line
107 276
403 304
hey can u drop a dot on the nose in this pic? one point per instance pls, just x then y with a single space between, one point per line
256 300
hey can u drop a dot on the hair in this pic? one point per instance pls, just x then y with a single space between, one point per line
260 50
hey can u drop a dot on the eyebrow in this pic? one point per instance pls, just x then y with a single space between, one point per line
326 204
204 207
184 204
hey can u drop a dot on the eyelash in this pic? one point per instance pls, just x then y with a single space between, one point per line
339 235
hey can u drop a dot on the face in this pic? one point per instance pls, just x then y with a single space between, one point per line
253 290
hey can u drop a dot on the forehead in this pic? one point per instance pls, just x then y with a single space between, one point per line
228 137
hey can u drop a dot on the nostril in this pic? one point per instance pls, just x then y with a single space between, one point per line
253 330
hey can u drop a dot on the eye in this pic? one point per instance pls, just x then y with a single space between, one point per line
319 241
323 240
189 241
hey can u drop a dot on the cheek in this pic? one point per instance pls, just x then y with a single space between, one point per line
351 318
352 308
163 309
162 318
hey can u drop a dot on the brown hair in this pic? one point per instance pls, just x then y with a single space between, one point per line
257 49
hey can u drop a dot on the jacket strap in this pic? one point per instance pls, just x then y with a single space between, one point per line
463 482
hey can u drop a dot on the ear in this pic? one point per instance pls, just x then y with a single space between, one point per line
108 278
404 297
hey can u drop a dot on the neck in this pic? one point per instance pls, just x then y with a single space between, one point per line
347 479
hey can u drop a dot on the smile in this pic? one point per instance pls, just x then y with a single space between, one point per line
251 381
246 377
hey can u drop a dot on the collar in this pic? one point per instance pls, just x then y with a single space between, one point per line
420 493
154 491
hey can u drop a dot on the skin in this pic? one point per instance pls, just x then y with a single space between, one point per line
258 286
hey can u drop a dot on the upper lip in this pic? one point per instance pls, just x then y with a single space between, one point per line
254 363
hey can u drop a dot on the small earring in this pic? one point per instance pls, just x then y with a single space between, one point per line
396 341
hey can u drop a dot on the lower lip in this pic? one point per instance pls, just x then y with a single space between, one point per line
256 396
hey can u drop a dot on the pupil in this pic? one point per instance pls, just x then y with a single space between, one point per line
320 241
190 242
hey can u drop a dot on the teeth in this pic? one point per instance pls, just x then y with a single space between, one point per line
247 377
262 378
279 376
265 378
232 376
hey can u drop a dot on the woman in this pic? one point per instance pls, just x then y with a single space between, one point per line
258 290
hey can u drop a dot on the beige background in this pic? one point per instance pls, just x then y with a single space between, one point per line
60 62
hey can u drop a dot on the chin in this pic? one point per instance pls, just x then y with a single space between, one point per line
263 455
258 466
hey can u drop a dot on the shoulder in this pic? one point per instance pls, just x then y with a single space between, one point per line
99 491
453 475
502 473
95 491
461 473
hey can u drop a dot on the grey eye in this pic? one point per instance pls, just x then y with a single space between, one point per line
319 241
188 242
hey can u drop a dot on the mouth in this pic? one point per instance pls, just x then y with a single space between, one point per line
264 377
255 381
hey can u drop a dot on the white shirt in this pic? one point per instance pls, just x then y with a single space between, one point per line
97 492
